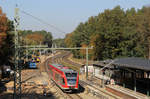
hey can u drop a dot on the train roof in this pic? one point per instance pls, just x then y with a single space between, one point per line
63 68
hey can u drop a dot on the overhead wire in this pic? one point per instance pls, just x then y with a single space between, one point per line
42 21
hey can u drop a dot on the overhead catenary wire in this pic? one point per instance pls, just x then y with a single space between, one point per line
42 21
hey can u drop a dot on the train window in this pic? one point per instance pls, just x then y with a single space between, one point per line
57 76
71 79
71 74
59 80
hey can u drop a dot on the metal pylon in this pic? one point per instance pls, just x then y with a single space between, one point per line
17 70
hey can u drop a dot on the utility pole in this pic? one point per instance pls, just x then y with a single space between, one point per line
40 50
17 71
52 53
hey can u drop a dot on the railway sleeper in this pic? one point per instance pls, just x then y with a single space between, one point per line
96 94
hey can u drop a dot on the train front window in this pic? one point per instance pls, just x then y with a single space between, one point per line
71 74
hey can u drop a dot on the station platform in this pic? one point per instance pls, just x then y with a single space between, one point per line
125 93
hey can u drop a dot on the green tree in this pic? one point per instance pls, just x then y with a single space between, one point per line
59 42
143 28
114 33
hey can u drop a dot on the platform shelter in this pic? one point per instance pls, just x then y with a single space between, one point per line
132 73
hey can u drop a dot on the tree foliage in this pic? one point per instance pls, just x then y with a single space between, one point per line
6 39
59 42
36 37
3 27
114 33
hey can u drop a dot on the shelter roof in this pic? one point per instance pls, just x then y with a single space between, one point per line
130 62
133 62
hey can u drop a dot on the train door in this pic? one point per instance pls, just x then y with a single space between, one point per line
62 80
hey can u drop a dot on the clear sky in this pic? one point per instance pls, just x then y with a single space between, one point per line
63 14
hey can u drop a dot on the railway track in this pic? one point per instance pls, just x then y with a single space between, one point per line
58 59
74 96
65 61
63 56
91 86
99 93
28 74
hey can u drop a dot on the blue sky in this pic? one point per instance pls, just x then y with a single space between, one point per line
63 14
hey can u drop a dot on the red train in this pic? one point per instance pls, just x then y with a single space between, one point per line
67 79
